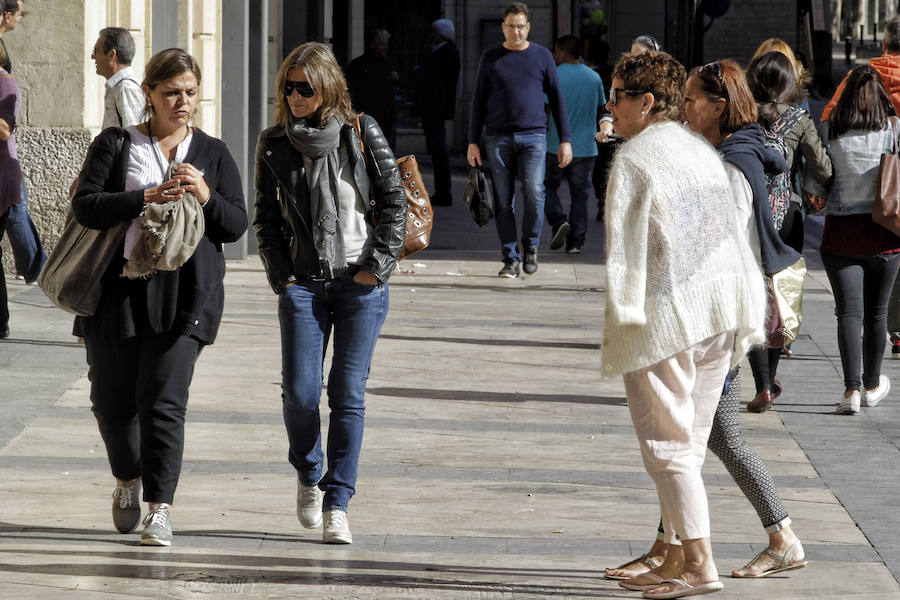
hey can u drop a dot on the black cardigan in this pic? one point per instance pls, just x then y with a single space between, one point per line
189 300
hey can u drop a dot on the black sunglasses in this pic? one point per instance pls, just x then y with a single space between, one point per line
715 69
614 94
303 88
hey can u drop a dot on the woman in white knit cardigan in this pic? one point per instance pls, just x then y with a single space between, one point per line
685 299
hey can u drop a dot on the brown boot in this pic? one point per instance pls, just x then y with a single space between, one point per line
761 403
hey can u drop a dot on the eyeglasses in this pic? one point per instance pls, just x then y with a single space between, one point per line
516 26
614 92
303 88
715 69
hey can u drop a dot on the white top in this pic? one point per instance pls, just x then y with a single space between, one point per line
146 168
679 267
351 209
123 103
743 202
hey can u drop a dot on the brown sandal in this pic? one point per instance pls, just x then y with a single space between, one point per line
643 559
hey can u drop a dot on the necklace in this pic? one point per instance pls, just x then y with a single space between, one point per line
158 151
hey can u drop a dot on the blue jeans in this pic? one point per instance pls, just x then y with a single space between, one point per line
28 252
510 157
308 312
862 287
578 174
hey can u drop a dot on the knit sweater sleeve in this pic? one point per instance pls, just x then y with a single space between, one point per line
627 220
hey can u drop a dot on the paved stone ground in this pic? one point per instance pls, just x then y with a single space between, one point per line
496 464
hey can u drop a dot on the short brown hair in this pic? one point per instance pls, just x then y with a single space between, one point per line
324 75
517 8
864 103
658 73
740 107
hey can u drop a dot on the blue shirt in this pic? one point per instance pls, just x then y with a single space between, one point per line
582 89
509 93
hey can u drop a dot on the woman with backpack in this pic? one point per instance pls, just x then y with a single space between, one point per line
861 257
719 106
791 132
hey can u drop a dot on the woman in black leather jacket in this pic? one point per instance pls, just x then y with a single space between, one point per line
330 221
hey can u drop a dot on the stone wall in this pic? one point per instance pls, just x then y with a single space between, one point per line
51 159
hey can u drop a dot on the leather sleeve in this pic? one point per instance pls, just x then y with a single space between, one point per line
99 202
269 223
382 250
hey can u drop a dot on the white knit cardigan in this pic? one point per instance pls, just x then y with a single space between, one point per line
679 266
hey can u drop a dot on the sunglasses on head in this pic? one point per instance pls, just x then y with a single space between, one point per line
715 69
303 88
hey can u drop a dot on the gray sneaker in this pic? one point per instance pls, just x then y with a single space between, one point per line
126 507
337 527
157 527
309 505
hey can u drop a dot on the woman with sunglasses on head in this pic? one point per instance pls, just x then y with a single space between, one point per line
860 256
685 299
147 332
330 221
719 106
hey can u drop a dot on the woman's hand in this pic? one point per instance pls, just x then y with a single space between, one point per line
191 179
365 278
165 192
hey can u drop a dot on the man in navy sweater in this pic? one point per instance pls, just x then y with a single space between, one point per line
509 104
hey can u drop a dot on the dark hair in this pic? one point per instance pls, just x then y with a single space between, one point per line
647 41
725 79
10 6
657 73
118 39
773 81
569 44
864 104
374 33
517 8
892 35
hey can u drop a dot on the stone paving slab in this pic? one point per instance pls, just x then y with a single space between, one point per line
496 462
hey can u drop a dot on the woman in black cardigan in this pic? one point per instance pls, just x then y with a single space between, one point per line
146 334
328 254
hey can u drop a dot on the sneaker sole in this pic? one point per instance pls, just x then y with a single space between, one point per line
560 238
507 276
846 410
154 541
309 525
336 539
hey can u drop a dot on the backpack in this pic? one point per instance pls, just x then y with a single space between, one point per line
779 184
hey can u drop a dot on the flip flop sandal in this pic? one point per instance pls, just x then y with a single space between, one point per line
640 587
642 559
782 562
684 589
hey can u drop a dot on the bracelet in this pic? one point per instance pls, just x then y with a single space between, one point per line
207 198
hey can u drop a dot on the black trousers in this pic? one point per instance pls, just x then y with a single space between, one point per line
436 142
139 393
4 300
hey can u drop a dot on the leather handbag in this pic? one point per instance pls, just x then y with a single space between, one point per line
886 208
479 196
419 215
72 276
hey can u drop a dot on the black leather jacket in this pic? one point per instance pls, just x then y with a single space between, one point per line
282 220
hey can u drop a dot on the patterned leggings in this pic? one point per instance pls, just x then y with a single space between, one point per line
744 465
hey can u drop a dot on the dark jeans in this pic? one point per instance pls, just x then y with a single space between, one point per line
436 142
861 286
309 312
4 300
28 252
578 175
139 392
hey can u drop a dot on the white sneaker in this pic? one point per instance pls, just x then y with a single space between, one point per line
337 528
157 527
849 406
873 397
309 505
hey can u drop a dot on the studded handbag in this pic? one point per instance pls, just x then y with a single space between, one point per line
419 215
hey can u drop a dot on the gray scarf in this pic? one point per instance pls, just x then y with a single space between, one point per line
321 145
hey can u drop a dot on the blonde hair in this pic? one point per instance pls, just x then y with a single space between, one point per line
779 45
324 75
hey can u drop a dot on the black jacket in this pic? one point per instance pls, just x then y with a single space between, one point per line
746 150
282 219
188 300
436 84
